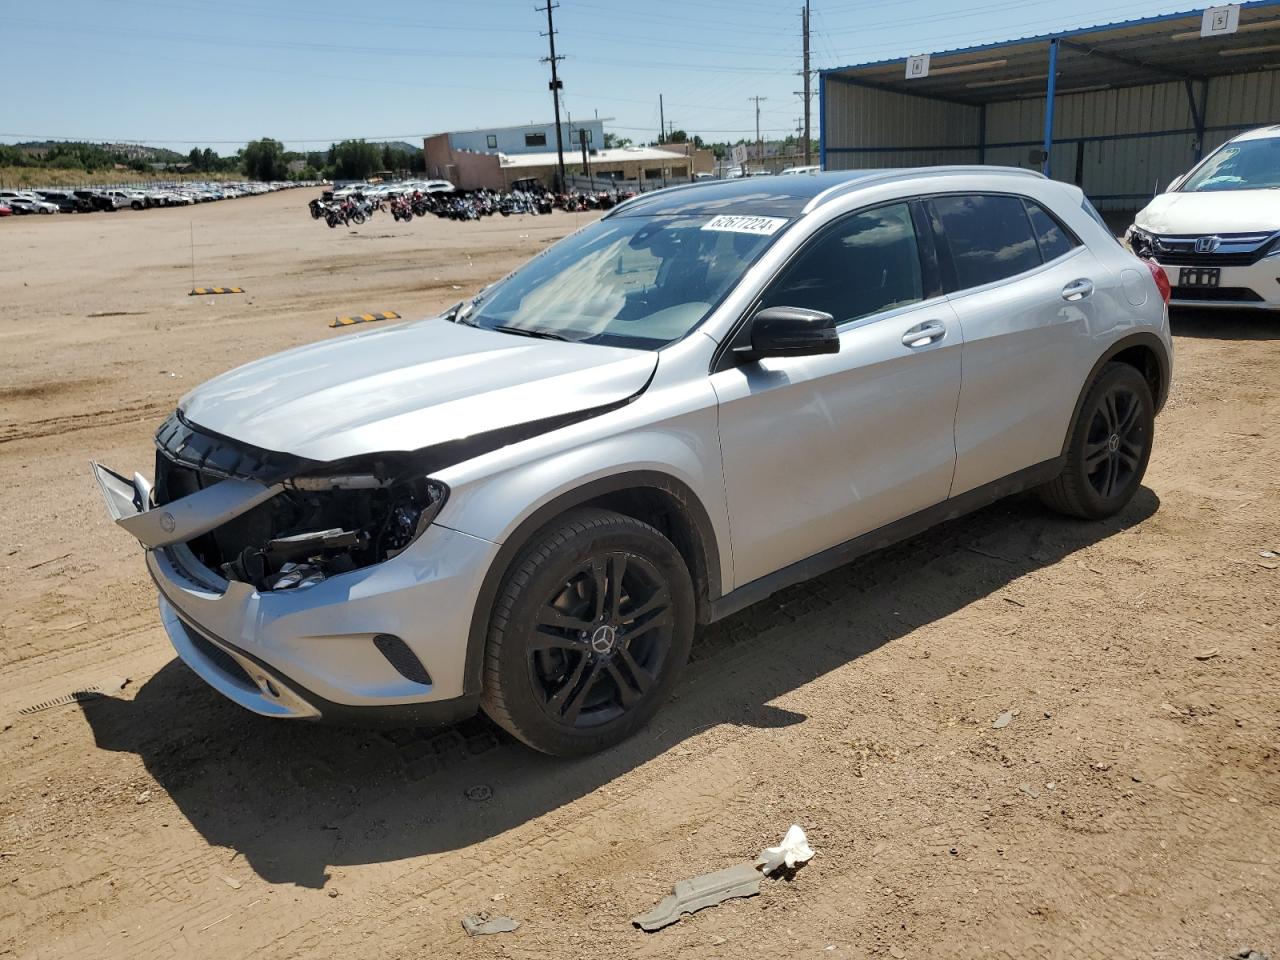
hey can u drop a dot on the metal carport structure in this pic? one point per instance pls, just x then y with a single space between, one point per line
1118 109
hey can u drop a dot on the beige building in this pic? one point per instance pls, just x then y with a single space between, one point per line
650 166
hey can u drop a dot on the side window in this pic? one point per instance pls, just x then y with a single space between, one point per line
1052 237
863 264
989 237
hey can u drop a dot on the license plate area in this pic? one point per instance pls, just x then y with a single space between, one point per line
1199 276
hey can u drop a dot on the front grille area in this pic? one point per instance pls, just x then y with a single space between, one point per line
1233 250
1217 294
187 446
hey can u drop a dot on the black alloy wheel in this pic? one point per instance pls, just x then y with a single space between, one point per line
590 630
1116 442
1109 447
601 640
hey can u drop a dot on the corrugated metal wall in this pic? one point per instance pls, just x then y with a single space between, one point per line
860 116
1124 169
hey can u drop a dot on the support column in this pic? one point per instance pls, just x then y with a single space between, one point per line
1050 91
982 133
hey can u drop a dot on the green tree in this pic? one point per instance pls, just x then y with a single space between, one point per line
264 159
678 136
354 159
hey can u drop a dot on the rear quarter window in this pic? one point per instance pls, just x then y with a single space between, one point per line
989 238
1053 238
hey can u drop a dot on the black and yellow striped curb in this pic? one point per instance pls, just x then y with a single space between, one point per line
201 291
365 318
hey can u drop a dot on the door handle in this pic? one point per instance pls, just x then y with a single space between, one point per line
1077 290
923 334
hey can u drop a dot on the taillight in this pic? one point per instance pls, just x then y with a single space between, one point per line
1161 278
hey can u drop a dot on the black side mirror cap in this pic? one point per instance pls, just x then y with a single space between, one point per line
790 332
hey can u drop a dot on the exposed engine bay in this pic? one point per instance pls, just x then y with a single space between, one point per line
326 519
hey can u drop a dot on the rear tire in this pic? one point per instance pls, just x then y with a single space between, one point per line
1109 448
589 634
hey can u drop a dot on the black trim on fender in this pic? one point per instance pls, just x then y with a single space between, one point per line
885 536
708 546
1143 338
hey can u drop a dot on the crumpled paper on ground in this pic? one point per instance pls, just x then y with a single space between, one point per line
794 849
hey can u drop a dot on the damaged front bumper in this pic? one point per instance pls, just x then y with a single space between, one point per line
385 642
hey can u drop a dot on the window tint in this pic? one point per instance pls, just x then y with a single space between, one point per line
866 263
1053 239
990 238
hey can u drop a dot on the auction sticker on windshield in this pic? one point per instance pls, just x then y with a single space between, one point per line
762 226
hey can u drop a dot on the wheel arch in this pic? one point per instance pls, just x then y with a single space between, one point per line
659 499
1143 351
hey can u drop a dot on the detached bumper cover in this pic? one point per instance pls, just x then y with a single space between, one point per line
309 652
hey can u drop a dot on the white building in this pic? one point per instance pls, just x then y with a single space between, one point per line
529 137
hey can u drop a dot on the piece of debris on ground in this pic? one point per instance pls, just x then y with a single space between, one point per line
698 893
793 851
481 924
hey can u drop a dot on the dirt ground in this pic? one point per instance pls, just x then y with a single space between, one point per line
1131 808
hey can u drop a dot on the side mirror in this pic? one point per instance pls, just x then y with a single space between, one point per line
790 332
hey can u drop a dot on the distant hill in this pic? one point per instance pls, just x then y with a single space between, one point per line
402 145
130 151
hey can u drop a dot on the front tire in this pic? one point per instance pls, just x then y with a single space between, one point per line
590 632
1109 448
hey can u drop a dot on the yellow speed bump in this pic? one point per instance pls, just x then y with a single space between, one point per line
365 318
201 291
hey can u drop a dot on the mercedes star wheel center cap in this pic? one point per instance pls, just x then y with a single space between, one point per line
604 639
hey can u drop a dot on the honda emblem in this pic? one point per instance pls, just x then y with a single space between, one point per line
1207 244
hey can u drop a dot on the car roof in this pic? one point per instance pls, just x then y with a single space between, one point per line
1261 133
779 196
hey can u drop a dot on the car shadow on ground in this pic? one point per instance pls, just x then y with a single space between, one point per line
295 799
1224 324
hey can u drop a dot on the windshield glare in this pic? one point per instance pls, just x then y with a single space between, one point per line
1247 165
625 281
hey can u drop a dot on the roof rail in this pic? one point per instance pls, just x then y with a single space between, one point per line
902 173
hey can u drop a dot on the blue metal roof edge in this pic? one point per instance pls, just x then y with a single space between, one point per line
1044 37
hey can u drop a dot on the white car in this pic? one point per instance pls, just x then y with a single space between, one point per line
791 171
1217 229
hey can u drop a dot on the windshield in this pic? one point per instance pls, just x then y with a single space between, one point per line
627 281
1247 165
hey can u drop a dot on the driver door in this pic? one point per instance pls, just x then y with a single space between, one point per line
820 449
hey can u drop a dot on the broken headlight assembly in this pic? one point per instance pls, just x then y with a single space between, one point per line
320 524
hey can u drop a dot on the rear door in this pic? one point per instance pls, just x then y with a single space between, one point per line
1023 287
820 449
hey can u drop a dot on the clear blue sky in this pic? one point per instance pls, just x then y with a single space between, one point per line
218 72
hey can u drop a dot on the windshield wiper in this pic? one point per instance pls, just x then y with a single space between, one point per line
532 332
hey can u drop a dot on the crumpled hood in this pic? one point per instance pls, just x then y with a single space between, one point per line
1212 212
410 386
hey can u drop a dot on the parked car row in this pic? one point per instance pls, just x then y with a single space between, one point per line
91 199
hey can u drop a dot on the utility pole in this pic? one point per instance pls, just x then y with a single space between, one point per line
555 85
759 142
808 156
662 120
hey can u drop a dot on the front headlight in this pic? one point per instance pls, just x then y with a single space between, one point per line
1140 242
322 525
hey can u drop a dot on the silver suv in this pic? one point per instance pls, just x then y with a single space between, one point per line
526 504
